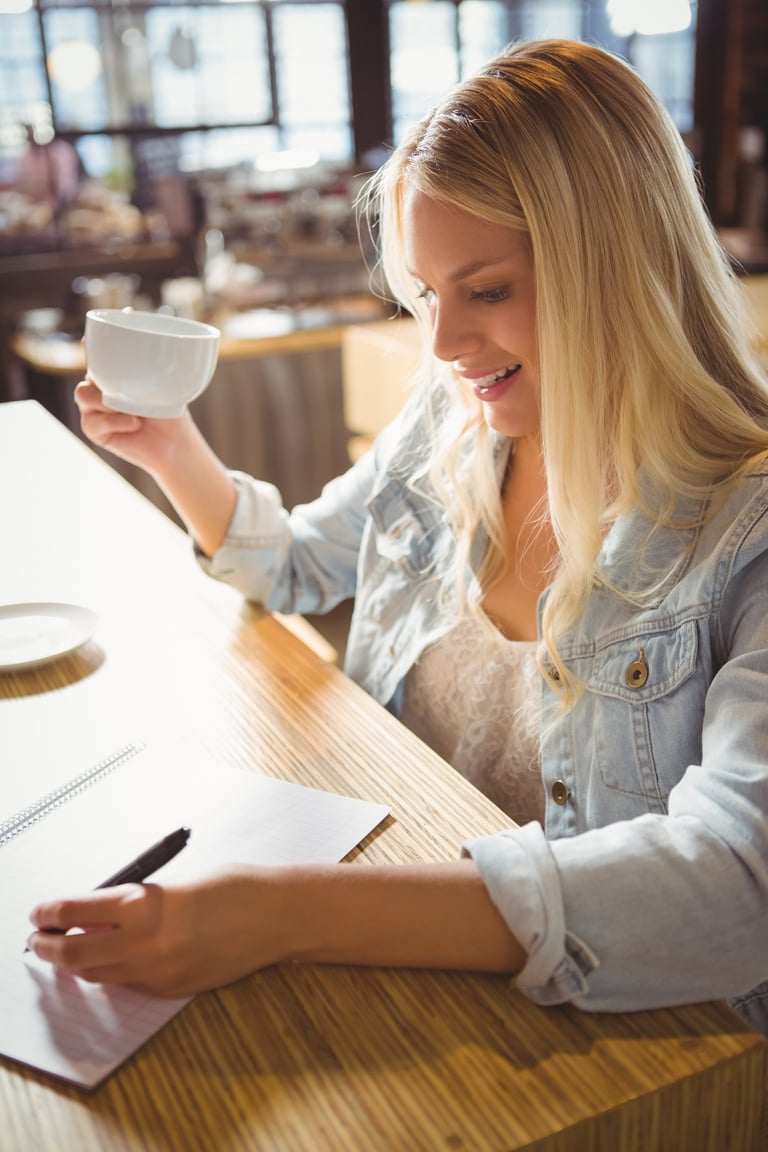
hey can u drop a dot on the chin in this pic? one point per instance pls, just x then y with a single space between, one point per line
508 425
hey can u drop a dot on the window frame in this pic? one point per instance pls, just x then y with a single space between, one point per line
149 130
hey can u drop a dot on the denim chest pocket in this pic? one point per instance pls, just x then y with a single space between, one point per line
643 692
407 529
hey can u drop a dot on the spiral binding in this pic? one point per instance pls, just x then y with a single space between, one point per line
28 816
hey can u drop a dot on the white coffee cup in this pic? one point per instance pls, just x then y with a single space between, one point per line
149 363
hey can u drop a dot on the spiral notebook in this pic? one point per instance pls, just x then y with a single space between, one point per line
78 833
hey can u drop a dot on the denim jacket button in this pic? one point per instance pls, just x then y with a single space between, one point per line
560 792
637 672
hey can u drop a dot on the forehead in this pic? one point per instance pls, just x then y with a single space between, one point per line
444 238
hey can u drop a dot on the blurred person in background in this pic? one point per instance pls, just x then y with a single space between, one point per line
49 170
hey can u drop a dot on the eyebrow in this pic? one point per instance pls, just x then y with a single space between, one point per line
466 269
475 266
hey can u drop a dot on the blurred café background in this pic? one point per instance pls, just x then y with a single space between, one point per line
203 157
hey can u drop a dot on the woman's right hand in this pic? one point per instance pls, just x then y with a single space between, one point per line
147 442
175 453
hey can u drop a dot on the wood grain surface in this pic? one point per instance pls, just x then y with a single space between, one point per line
312 1058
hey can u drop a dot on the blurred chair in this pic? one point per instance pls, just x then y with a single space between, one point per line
378 361
756 292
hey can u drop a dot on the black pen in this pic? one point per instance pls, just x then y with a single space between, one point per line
149 861
140 868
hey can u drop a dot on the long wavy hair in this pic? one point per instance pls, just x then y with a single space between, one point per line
645 362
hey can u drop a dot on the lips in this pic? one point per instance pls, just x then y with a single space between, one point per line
494 384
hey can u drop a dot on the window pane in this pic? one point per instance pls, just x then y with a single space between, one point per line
23 95
208 65
332 143
547 18
225 148
484 29
424 58
423 47
311 64
666 63
100 161
76 68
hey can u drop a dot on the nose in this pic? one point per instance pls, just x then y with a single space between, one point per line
454 335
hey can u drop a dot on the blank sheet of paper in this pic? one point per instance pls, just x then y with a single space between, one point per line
82 1032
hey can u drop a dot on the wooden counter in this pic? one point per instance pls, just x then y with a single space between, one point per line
309 1058
302 330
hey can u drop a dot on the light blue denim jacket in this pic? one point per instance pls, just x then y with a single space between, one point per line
649 884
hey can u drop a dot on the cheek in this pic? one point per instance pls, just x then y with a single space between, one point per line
530 329
517 331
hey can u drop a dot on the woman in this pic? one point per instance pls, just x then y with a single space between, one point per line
586 466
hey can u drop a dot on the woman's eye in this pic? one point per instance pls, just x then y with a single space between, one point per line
491 296
487 296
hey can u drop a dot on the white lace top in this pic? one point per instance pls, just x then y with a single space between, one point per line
476 701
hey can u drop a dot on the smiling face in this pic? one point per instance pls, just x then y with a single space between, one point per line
477 281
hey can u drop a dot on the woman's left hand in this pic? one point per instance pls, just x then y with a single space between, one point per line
172 941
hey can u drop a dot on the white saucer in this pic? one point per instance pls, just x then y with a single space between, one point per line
32 634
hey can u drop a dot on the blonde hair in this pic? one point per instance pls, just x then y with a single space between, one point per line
644 358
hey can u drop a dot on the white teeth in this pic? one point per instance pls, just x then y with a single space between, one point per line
486 381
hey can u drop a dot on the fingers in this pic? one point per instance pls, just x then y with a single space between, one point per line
169 988
101 957
105 911
104 924
100 423
87 394
103 426
90 401
114 937
75 952
65 914
170 941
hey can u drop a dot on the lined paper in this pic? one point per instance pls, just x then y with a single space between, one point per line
80 1031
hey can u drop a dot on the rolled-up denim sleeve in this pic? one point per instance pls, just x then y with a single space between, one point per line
300 561
640 914
305 560
521 875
